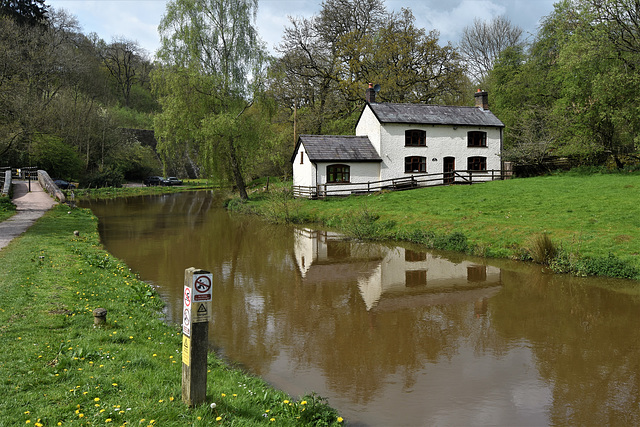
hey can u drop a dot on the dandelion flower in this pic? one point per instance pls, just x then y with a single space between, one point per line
304 402
272 419
218 418
340 419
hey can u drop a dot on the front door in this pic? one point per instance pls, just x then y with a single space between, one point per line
449 165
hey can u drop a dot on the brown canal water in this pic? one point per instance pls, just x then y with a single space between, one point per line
392 335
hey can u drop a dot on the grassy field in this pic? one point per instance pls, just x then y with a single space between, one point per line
57 369
592 222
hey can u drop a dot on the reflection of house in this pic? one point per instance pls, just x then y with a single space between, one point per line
384 274
402 140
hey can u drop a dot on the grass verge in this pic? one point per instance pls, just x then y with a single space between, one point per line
57 369
592 221
7 209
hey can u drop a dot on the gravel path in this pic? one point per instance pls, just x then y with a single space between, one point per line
30 206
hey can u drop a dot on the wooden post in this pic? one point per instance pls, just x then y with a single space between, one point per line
195 335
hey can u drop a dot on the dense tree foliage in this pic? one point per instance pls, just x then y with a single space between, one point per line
24 12
572 93
220 107
209 86
56 98
328 61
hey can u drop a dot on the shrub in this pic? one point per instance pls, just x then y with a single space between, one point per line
108 177
542 250
365 225
455 241
611 266
281 206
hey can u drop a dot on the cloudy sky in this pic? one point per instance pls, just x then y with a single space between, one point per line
138 19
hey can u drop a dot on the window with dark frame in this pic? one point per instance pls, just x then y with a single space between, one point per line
415 138
302 157
415 164
477 163
476 139
338 173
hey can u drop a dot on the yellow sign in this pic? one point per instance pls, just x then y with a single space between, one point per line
186 350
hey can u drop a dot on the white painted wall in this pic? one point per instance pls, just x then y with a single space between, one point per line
303 174
442 141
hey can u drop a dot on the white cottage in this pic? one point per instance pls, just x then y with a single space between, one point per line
399 144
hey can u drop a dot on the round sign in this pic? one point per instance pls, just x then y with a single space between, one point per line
203 284
187 296
186 318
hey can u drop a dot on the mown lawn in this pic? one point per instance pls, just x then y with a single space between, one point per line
57 369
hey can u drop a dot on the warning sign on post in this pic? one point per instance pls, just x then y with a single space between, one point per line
200 312
186 350
202 287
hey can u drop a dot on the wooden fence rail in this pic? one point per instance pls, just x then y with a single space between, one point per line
400 184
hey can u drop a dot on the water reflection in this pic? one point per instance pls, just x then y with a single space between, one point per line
398 273
391 335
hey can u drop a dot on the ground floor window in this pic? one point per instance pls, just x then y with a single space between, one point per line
415 164
477 163
338 173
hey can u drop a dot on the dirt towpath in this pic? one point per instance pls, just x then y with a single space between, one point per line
30 206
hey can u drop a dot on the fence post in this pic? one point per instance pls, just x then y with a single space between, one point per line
195 335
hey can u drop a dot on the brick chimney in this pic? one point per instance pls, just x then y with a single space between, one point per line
482 99
370 94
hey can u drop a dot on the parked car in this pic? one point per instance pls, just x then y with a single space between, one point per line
152 180
64 185
172 180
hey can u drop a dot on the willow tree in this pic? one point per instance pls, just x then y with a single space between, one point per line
211 73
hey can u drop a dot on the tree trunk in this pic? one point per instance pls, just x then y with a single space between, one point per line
237 174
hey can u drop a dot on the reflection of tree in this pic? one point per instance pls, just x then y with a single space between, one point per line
583 345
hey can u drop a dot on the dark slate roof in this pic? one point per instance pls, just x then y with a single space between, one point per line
333 148
434 115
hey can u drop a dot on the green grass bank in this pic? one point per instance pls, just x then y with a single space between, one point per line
7 209
57 369
580 224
